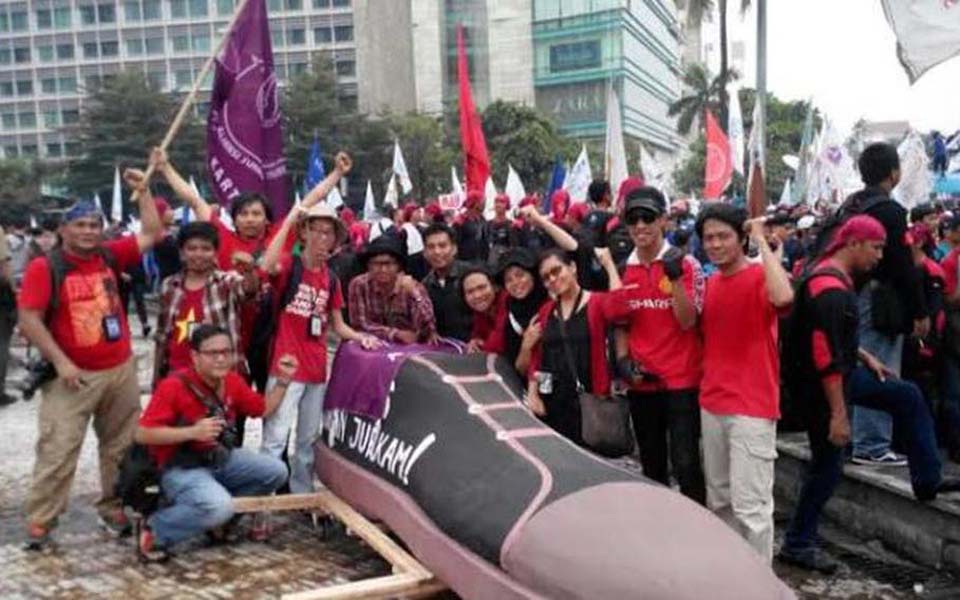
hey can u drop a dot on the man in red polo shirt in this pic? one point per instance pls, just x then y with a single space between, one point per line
190 429
659 354
740 391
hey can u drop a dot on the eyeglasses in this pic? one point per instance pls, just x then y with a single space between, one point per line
635 216
551 274
217 353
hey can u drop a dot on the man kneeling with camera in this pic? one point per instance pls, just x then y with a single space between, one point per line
189 427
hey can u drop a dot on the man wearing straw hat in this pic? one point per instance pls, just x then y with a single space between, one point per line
309 299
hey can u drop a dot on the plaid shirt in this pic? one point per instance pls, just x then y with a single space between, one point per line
221 297
382 315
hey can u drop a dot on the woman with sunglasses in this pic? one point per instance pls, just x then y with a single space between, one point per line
574 331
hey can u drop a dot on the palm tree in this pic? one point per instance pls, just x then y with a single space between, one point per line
702 93
697 11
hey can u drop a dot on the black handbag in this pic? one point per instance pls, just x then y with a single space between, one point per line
604 422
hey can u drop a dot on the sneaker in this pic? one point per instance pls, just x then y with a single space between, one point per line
117 524
38 538
888 459
811 560
261 528
148 550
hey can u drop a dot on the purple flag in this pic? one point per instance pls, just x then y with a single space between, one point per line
360 379
244 137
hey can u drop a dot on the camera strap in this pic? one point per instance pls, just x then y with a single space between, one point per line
208 398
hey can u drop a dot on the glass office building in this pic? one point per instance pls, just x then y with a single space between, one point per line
583 46
53 51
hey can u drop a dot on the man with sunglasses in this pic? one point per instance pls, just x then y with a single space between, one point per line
659 353
187 427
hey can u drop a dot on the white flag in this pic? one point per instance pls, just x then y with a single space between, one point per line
514 187
928 32
296 198
490 198
456 187
369 208
735 130
786 197
579 178
392 197
653 173
915 185
96 201
615 154
334 199
33 222
116 203
400 169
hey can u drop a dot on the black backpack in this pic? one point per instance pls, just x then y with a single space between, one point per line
138 481
795 349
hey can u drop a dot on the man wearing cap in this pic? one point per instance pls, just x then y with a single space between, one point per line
659 354
392 307
308 298
70 309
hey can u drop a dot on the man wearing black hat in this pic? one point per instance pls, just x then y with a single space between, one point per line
659 354
393 308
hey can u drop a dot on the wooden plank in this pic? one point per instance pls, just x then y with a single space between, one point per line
366 588
285 502
379 541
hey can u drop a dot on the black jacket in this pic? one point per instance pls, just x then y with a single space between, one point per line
454 317
896 268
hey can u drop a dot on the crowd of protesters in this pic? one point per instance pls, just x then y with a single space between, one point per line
845 323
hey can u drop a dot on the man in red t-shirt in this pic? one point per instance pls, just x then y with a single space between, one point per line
659 353
253 230
309 299
189 428
740 390
70 309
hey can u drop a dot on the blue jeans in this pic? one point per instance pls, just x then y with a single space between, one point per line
872 431
202 498
302 403
904 402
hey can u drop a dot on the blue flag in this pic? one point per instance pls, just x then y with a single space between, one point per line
556 182
315 170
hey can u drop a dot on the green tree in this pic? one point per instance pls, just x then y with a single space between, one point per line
20 189
701 93
525 138
311 106
427 155
120 122
784 133
697 12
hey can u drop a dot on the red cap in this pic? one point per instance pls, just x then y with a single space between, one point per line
162 205
530 200
629 184
347 216
474 200
578 211
502 199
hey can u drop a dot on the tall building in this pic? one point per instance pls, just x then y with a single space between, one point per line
407 52
583 46
53 51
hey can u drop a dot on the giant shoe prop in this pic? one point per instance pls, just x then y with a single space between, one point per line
498 506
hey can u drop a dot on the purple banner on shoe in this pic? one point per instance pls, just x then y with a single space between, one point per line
360 379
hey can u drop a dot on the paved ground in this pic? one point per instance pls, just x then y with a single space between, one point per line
88 564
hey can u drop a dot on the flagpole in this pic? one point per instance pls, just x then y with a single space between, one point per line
187 103
761 96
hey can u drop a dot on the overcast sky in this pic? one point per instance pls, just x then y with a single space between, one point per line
842 53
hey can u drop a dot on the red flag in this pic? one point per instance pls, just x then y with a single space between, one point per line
719 169
477 168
